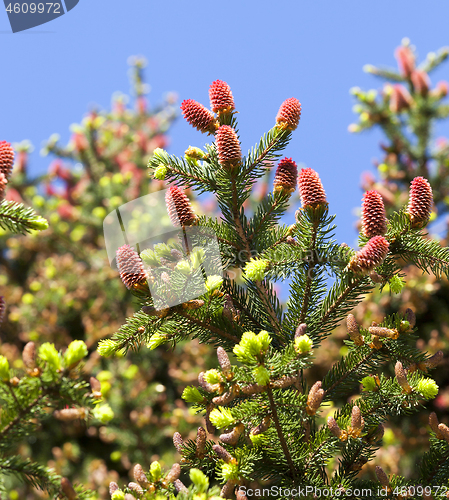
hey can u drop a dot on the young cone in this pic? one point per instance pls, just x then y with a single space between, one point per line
374 219
289 114
400 99
221 98
29 355
382 477
370 256
285 177
314 398
67 489
130 266
178 206
333 426
228 147
406 60
201 438
198 116
6 158
353 330
421 82
178 442
310 188
401 377
420 200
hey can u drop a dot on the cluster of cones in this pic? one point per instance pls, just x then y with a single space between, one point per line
374 223
374 220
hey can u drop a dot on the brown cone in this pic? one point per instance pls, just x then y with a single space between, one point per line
221 98
374 219
228 147
130 266
198 116
310 188
289 114
178 206
286 176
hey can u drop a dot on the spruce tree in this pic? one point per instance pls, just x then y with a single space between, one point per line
263 412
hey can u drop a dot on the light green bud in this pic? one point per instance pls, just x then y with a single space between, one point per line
159 152
106 348
255 269
200 480
155 470
76 351
38 223
221 417
264 339
229 471
364 117
427 387
156 340
184 267
369 384
150 258
48 353
213 376
303 344
197 257
251 346
162 250
118 495
213 282
4 369
195 153
405 325
192 395
103 413
160 172
353 128
262 375
258 439
396 284
369 68
371 95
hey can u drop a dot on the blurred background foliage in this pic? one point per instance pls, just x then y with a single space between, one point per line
407 108
59 285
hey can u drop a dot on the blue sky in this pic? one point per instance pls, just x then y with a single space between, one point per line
266 51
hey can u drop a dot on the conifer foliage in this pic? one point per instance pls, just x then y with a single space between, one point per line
263 411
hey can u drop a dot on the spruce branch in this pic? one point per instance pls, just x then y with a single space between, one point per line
20 219
23 412
207 326
356 364
261 289
309 269
261 157
34 474
341 298
280 433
